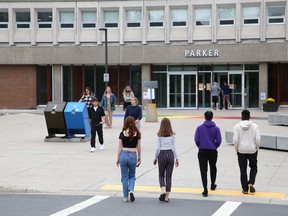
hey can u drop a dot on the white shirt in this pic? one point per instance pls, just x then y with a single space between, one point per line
166 143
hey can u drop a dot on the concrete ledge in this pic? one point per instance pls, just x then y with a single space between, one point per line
280 119
270 141
74 139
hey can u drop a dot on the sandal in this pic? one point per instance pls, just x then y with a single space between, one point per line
167 200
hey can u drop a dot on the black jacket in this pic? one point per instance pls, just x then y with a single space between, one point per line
96 116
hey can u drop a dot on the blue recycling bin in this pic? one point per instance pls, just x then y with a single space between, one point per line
77 119
54 116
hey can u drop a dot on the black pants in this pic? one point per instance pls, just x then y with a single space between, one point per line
165 167
205 156
242 161
93 135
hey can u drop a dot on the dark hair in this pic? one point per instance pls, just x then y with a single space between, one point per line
129 124
89 89
94 99
165 129
245 115
208 115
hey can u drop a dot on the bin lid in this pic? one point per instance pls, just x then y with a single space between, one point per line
55 106
75 107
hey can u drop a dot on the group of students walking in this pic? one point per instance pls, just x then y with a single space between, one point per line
246 139
207 138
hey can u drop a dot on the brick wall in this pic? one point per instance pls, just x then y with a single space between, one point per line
18 87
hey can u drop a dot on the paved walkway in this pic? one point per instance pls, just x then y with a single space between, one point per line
28 164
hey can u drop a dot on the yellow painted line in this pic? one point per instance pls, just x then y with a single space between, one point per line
197 191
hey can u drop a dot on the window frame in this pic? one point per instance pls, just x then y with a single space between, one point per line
111 25
202 20
25 24
156 23
88 22
251 18
179 22
45 22
138 23
61 23
6 23
226 19
276 17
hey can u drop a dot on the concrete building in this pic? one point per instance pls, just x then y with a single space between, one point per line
52 50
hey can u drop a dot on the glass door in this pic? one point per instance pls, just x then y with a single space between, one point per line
204 87
236 84
189 81
174 86
182 90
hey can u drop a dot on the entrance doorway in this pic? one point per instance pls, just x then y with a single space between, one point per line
204 89
181 90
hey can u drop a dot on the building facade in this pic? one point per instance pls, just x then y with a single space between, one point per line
52 50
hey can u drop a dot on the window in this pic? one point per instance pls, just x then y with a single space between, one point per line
133 18
202 16
89 19
179 17
23 19
251 15
226 15
3 20
45 19
156 18
276 14
66 19
111 19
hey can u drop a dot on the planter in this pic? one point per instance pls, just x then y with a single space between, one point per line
270 107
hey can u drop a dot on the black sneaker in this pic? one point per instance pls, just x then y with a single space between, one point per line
162 197
213 186
205 193
252 189
132 198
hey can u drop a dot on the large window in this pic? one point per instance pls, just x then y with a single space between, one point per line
88 19
156 18
67 19
226 15
202 16
23 20
45 19
111 19
3 20
250 15
276 14
133 18
179 17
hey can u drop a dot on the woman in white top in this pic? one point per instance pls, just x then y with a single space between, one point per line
166 155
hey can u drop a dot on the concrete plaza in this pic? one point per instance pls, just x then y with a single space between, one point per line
28 164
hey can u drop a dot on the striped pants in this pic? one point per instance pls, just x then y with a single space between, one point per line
165 167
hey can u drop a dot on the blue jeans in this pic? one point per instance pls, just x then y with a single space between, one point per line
128 161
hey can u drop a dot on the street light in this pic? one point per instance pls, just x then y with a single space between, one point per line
106 75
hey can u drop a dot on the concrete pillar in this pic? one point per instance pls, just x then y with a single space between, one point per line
263 82
57 90
146 76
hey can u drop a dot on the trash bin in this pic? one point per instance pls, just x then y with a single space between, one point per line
77 119
54 115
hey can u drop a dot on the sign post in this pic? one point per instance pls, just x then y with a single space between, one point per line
151 109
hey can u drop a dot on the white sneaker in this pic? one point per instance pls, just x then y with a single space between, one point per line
125 200
92 150
102 146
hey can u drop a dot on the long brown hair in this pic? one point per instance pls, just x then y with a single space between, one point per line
129 124
165 129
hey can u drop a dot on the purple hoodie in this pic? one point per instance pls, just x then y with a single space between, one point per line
208 136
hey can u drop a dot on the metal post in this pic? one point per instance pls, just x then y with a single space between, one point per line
106 53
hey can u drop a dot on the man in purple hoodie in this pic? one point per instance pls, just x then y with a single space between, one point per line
208 139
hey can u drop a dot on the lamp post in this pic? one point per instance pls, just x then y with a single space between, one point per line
106 75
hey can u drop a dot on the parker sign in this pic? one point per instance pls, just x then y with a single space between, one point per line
201 53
